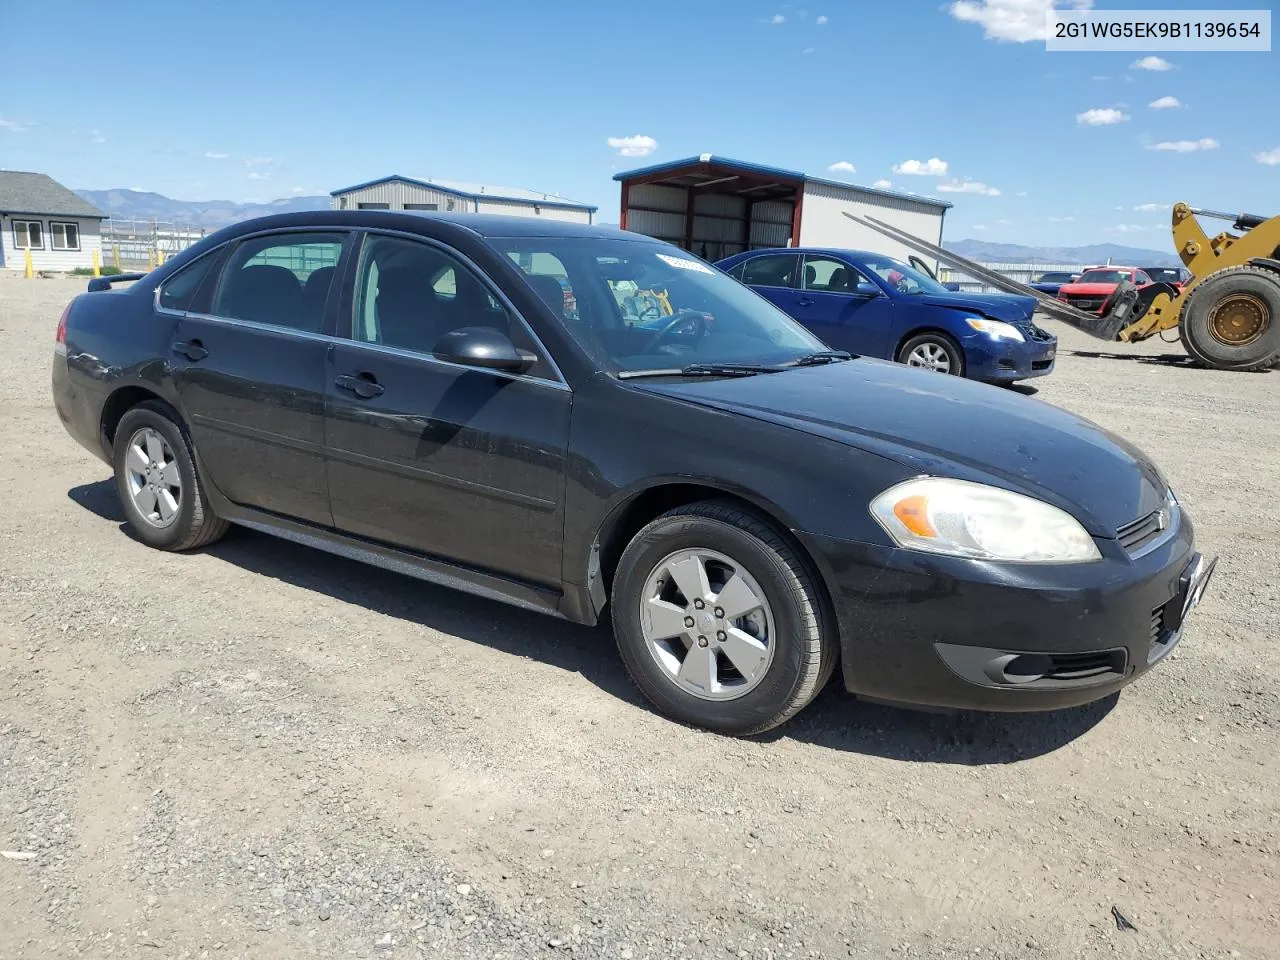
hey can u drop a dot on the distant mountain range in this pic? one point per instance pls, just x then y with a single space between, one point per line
206 214
988 252
212 214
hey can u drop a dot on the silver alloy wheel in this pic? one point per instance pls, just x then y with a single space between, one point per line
707 624
155 483
930 356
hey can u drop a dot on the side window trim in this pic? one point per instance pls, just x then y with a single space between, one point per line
347 319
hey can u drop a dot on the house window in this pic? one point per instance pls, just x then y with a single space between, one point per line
373 206
28 235
422 206
64 236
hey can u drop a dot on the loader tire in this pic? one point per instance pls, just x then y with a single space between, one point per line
1231 321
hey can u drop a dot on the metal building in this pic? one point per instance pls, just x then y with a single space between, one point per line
716 207
407 193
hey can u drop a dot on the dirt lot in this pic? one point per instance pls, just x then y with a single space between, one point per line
262 751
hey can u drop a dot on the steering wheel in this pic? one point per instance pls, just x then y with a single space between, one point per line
681 317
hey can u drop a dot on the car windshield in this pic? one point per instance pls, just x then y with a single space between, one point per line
1054 278
903 278
1104 276
1164 274
637 305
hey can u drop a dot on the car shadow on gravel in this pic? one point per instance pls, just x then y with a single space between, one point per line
835 720
1160 359
588 651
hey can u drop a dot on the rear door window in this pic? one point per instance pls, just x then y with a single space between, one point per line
281 280
770 270
829 275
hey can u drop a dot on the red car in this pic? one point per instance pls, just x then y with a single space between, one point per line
1096 284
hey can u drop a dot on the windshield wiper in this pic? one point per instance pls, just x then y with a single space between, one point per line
822 356
705 370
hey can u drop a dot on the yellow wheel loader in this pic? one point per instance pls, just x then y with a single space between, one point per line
1227 315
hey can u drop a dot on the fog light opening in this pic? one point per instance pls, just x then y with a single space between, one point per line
1019 668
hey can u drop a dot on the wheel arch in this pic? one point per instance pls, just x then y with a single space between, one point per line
637 508
119 402
933 328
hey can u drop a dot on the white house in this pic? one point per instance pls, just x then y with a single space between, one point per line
37 213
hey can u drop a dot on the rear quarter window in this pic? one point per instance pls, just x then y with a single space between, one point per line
182 290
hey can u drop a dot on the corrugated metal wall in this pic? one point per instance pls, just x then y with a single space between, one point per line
396 194
771 223
511 208
719 227
823 223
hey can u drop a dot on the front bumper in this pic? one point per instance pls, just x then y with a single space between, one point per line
943 632
1004 361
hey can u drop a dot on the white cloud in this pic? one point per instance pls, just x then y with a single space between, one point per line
1165 103
1101 117
96 137
933 167
11 125
1270 158
808 50
255 175
259 161
887 184
968 186
979 226
1100 77
842 166
1003 223
821 21
1151 207
298 190
1186 146
1013 20
636 146
1066 219
1127 228
215 156
1158 64
777 18
1021 193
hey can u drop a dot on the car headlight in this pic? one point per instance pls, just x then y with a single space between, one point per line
958 518
995 328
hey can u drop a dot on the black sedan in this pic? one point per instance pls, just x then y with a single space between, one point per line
750 509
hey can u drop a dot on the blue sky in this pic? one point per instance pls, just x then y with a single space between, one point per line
258 100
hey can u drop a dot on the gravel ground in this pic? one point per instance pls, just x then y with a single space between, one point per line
260 750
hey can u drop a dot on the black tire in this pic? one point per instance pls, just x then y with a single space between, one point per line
806 649
195 524
1197 336
955 355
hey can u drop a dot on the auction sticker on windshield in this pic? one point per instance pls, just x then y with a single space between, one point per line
682 264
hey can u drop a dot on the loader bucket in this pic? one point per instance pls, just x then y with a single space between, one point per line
1105 326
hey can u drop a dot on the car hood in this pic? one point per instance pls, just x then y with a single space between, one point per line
948 426
1010 308
1088 289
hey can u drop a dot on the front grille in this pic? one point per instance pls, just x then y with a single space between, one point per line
1006 365
1041 364
1068 667
1085 303
1158 632
1141 531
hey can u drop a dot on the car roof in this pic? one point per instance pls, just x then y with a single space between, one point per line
480 224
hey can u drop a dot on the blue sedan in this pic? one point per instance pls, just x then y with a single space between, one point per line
877 306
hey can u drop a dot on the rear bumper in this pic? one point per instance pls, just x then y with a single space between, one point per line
1006 360
942 632
79 410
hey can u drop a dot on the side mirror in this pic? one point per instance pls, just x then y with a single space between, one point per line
482 347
